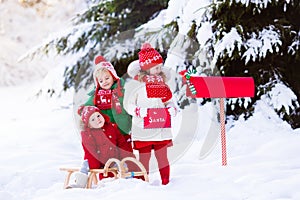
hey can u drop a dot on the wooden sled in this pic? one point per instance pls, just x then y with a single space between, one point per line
119 172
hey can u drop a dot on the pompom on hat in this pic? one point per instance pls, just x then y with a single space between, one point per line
99 59
101 62
149 57
133 68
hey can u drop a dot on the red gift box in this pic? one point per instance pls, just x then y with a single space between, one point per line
157 118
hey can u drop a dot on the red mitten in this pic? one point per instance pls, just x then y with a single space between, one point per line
141 112
172 111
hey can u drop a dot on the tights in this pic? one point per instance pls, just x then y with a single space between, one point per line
160 152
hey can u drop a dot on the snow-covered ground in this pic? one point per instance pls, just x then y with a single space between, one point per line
39 135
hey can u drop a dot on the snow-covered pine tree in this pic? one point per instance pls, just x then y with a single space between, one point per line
238 38
260 39
97 30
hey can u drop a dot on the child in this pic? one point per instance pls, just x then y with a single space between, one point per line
146 93
101 140
108 96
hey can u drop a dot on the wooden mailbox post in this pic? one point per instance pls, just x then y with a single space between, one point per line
219 87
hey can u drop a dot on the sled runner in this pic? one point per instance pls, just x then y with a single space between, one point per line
120 171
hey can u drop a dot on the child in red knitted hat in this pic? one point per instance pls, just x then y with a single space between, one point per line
149 100
108 96
101 139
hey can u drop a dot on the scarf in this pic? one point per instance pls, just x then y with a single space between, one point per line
157 88
108 99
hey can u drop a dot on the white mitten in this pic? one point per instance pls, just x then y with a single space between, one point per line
172 111
81 179
141 112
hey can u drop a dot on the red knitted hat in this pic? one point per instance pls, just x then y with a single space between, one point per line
86 113
149 57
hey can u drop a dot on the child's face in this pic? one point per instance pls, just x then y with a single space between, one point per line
105 80
96 120
155 70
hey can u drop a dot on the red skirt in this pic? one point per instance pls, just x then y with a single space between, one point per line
141 144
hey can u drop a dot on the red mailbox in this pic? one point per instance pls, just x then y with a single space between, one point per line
219 87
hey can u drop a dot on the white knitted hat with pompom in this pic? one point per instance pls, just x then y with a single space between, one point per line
101 62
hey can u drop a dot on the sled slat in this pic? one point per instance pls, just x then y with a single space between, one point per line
92 175
119 172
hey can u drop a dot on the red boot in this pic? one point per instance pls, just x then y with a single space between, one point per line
165 175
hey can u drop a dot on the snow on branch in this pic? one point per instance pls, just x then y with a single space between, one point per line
295 45
228 43
259 45
71 35
118 50
260 3
281 96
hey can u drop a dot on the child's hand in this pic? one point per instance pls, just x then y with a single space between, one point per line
172 111
141 112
